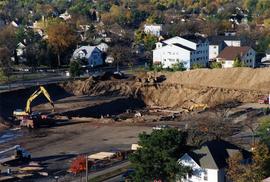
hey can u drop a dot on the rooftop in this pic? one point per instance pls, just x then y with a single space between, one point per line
218 39
230 53
213 154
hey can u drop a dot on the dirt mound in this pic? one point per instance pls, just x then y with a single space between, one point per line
94 87
233 78
212 87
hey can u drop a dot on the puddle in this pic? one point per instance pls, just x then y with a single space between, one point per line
9 135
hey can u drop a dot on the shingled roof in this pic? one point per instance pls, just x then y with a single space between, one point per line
230 53
213 154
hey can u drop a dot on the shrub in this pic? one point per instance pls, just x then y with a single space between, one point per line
178 67
197 66
216 65
74 68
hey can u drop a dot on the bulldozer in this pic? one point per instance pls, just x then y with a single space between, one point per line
31 119
196 107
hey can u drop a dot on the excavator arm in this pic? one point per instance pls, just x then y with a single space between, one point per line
35 95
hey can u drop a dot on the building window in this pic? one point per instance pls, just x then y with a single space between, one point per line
164 59
205 177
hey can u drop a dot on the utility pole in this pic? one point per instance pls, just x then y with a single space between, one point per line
86 169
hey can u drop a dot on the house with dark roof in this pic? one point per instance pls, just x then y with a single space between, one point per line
188 50
209 162
245 54
219 42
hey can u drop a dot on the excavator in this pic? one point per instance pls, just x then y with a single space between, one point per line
31 119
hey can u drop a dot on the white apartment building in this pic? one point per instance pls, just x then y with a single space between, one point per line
188 50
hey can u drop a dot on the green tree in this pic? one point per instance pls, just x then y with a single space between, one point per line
5 64
264 129
216 65
178 67
158 155
238 63
74 68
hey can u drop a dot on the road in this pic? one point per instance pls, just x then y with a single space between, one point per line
56 78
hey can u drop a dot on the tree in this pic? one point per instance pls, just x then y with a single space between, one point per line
158 155
74 68
257 170
60 37
78 165
216 65
178 67
5 64
263 130
238 63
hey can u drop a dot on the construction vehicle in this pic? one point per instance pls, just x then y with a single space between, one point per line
263 100
19 154
31 119
201 107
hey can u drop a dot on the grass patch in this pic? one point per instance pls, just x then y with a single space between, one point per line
109 174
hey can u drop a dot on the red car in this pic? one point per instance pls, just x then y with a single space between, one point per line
264 100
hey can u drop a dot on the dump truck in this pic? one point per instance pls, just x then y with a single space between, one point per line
31 119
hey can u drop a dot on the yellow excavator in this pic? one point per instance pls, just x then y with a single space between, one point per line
33 119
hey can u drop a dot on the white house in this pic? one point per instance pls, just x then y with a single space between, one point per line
229 54
153 29
265 61
218 43
209 162
188 50
91 53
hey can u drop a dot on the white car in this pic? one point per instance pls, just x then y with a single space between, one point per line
161 127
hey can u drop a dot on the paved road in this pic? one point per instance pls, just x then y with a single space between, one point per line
115 179
103 172
56 78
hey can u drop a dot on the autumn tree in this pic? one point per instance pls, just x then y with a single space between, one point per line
78 165
257 170
60 37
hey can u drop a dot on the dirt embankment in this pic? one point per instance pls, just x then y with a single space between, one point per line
211 87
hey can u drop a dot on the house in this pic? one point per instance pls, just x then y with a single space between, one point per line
188 50
209 162
153 29
92 54
218 43
265 61
229 54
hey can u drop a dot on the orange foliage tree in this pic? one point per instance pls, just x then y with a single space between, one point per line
78 164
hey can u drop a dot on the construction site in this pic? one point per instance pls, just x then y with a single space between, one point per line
106 113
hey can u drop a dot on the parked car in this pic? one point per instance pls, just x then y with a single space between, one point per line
161 127
264 100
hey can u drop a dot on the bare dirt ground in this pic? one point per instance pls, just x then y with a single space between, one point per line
99 115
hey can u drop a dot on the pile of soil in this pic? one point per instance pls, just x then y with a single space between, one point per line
181 89
233 78
95 87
